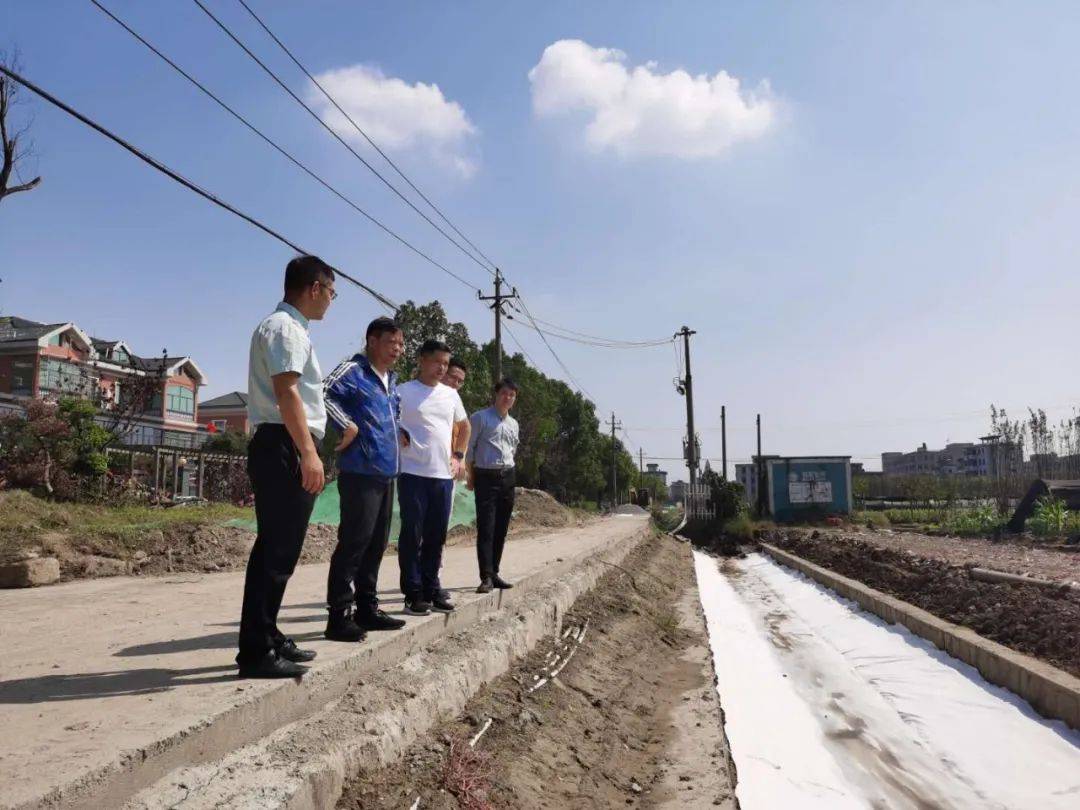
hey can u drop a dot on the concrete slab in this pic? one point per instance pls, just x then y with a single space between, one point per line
106 685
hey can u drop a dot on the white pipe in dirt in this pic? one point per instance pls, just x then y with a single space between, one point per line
480 733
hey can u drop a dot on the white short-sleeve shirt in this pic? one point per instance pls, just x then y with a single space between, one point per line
281 345
428 413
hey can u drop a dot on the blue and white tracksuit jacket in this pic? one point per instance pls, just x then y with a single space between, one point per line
355 395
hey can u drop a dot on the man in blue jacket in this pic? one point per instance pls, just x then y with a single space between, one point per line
362 400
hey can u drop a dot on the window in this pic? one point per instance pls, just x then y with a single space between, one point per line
120 356
54 340
179 402
222 425
22 378
61 377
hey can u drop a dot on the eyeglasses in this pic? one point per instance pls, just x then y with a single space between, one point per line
333 292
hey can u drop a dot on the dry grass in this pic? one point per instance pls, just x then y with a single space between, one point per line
467 774
25 518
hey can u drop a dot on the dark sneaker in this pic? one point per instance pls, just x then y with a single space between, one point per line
444 595
441 605
271 665
377 620
341 627
290 652
485 585
417 607
500 583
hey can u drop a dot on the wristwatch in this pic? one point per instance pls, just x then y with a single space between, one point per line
459 455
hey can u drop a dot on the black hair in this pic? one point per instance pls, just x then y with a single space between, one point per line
380 326
506 382
456 362
430 346
303 271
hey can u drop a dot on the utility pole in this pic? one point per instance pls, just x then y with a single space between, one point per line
686 387
497 301
614 463
723 440
758 469
640 468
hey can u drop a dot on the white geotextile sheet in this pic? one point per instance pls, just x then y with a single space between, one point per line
827 706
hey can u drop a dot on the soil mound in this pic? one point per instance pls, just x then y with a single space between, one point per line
534 507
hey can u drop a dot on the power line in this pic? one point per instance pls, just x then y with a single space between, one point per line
281 150
367 138
337 137
600 341
179 178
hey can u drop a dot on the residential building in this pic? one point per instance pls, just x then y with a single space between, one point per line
148 401
990 456
226 413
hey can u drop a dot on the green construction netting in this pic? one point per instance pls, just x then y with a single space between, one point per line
328 510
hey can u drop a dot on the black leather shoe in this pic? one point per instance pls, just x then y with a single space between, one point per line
272 665
341 627
377 620
290 652
500 583
485 586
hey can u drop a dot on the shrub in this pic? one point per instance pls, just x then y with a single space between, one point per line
1051 517
972 522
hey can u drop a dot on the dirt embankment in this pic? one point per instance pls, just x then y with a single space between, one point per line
206 547
632 719
1040 622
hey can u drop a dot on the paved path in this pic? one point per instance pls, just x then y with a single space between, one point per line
97 671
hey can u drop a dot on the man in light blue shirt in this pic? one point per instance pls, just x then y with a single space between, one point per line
493 442
286 409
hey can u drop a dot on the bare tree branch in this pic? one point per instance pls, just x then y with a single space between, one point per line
12 156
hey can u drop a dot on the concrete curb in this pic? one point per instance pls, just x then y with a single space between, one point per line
1055 694
263 712
399 705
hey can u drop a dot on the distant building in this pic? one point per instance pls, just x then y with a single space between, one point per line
677 491
43 360
226 413
991 456
653 471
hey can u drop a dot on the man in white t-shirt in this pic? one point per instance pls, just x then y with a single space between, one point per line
434 417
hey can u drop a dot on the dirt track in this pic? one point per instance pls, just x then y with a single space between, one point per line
633 719
1036 621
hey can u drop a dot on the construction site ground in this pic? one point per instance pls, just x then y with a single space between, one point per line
103 677
1014 554
932 574
632 717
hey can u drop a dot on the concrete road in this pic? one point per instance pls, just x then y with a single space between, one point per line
97 674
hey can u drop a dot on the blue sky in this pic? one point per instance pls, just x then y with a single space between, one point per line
892 251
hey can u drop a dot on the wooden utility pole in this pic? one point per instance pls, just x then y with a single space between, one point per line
686 388
723 440
497 301
614 462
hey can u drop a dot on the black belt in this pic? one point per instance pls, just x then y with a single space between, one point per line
493 470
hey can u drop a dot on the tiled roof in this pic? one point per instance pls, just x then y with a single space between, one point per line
234 399
13 329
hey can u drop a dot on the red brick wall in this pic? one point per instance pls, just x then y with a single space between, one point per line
234 419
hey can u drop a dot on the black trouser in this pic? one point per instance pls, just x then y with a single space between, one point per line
366 505
282 511
425 512
494 503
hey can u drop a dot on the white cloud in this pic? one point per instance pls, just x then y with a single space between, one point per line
398 116
641 111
